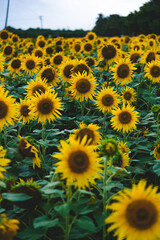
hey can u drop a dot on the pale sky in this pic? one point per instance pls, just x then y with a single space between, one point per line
63 14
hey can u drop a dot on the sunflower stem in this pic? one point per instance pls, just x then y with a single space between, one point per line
104 122
82 108
104 194
67 225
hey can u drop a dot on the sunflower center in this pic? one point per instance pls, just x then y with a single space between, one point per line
48 74
108 52
86 132
125 117
59 49
127 96
25 111
155 71
15 39
141 214
16 64
45 106
67 70
41 43
58 59
87 47
77 47
78 161
4 35
107 100
49 50
90 61
123 71
8 50
38 53
30 64
83 85
90 36
81 68
3 109
38 88
150 57
135 57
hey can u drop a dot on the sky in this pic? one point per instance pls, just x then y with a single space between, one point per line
63 14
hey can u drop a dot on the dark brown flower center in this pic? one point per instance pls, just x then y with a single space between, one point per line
80 68
30 64
45 106
150 57
87 47
83 85
107 100
136 47
24 111
38 88
127 96
125 117
155 71
108 52
67 70
78 161
3 109
49 74
134 57
16 63
86 132
58 49
49 50
77 47
15 39
123 71
90 61
26 152
90 36
58 59
8 50
41 44
141 214
4 35
38 53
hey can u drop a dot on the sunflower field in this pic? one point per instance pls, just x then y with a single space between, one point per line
79 137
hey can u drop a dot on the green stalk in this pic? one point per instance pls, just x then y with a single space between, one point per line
67 225
104 194
82 108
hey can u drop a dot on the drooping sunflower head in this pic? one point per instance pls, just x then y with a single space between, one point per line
157 152
30 64
136 213
8 227
122 71
83 86
128 95
78 163
109 147
152 71
49 74
124 119
107 99
91 131
46 106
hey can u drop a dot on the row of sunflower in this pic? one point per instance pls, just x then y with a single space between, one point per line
80 137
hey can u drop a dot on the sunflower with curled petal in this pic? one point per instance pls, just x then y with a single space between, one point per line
8 227
152 71
83 86
3 161
125 119
136 213
24 111
78 163
8 110
122 71
38 85
26 149
107 99
46 106
30 64
90 130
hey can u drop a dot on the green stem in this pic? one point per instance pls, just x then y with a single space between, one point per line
104 122
82 108
67 226
104 195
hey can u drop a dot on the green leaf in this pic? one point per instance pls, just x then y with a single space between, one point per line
63 209
86 223
15 197
44 222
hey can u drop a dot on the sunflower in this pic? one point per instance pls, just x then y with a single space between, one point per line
135 56
49 50
108 53
38 52
8 227
26 149
24 111
93 136
77 47
109 147
91 36
149 56
123 147
4 35
125 119
15 65
8 50
88 48
46 106
83 86
142 132
37 85
120 160
90 61
49 74
81 67
65 69
78 163
2 60
57 59
122 71
8 109
3 161
41 42
128 95
157 152
30 64
136 213
107 99
152 71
